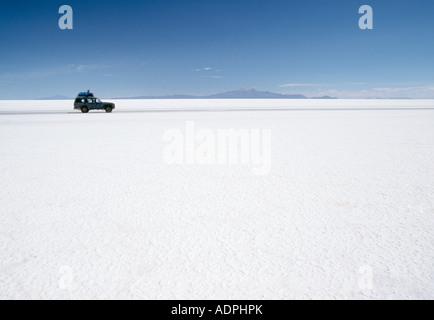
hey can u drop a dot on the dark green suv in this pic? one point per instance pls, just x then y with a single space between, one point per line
85 102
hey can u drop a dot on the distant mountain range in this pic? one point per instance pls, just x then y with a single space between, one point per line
243 93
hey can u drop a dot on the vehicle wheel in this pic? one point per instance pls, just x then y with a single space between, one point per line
84 110
108 109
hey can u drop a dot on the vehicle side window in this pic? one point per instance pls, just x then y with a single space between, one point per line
89 100
83 100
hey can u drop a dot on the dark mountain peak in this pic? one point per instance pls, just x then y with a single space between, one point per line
324 97
246 89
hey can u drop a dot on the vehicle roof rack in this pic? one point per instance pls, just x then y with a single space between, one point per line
85 94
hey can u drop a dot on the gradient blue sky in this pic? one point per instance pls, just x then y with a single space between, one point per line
158 47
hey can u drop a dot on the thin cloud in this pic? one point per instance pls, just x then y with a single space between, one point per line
293 85
203 69
69 69
85 68
81 68
357 83
209 73
424 88
211 77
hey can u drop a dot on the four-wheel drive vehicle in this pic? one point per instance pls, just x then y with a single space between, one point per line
85 102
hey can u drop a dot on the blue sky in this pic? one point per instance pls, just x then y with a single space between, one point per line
159 47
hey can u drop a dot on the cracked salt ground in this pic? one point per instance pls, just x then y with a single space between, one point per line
348 192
